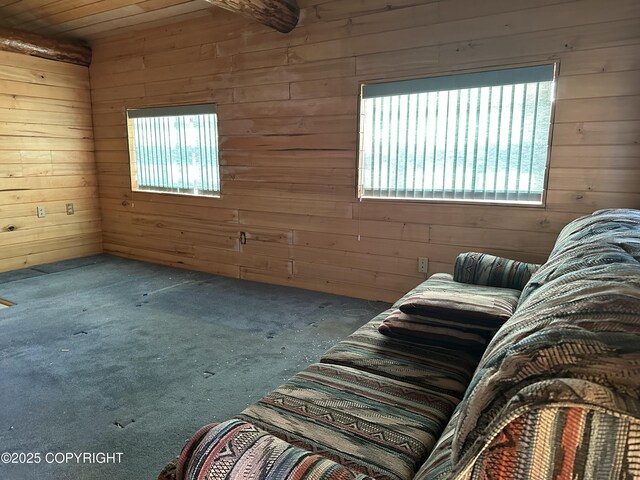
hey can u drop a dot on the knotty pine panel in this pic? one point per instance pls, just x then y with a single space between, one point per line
46 160
598 109
288 108
47 252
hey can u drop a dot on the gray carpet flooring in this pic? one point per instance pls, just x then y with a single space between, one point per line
103 355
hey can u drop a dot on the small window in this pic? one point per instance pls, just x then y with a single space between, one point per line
174 150
471 137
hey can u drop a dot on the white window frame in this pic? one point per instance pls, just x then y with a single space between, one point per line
500 76
165 167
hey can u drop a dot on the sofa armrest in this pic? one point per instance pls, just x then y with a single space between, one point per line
562 442
238 449
492 271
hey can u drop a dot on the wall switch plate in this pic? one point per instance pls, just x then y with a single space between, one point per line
40 212
423 264
70 210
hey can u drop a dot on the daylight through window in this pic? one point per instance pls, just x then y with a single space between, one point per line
174 149
473 137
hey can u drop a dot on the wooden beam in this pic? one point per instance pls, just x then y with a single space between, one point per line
281 15
31 44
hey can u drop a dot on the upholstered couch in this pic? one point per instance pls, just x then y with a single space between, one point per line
504 370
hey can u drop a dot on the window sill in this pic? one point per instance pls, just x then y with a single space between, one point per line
453 201
177 194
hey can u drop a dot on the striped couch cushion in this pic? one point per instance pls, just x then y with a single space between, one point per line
438 466
460 323
441 369
239 450
433 331
435 367
373 425
444 298
484 269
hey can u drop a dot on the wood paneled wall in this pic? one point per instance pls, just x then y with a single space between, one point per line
47 160
288 122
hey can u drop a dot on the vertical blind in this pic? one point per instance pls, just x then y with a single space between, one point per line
175 149
480 136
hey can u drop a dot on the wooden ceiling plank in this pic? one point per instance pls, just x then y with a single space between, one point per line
89 14
140 21
70 27
35 15
50 18
151 5
16 11
17 20
90 18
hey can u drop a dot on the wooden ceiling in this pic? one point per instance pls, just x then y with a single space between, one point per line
90 19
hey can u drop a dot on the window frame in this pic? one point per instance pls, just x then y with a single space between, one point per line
359 186
168 110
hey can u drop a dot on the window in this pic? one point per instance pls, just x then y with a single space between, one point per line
174 150
473 137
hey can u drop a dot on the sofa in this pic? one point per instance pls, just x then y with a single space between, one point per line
503 370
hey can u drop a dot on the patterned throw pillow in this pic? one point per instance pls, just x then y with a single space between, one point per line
484 269
434 332
461 323
462 302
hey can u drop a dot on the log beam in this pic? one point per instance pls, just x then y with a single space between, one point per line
38 46
281 15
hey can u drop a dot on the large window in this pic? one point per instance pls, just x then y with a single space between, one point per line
472 137
174 149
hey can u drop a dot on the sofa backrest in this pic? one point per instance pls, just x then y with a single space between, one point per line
569 355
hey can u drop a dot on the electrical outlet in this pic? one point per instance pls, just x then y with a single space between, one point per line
70 210
423 264
40 212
